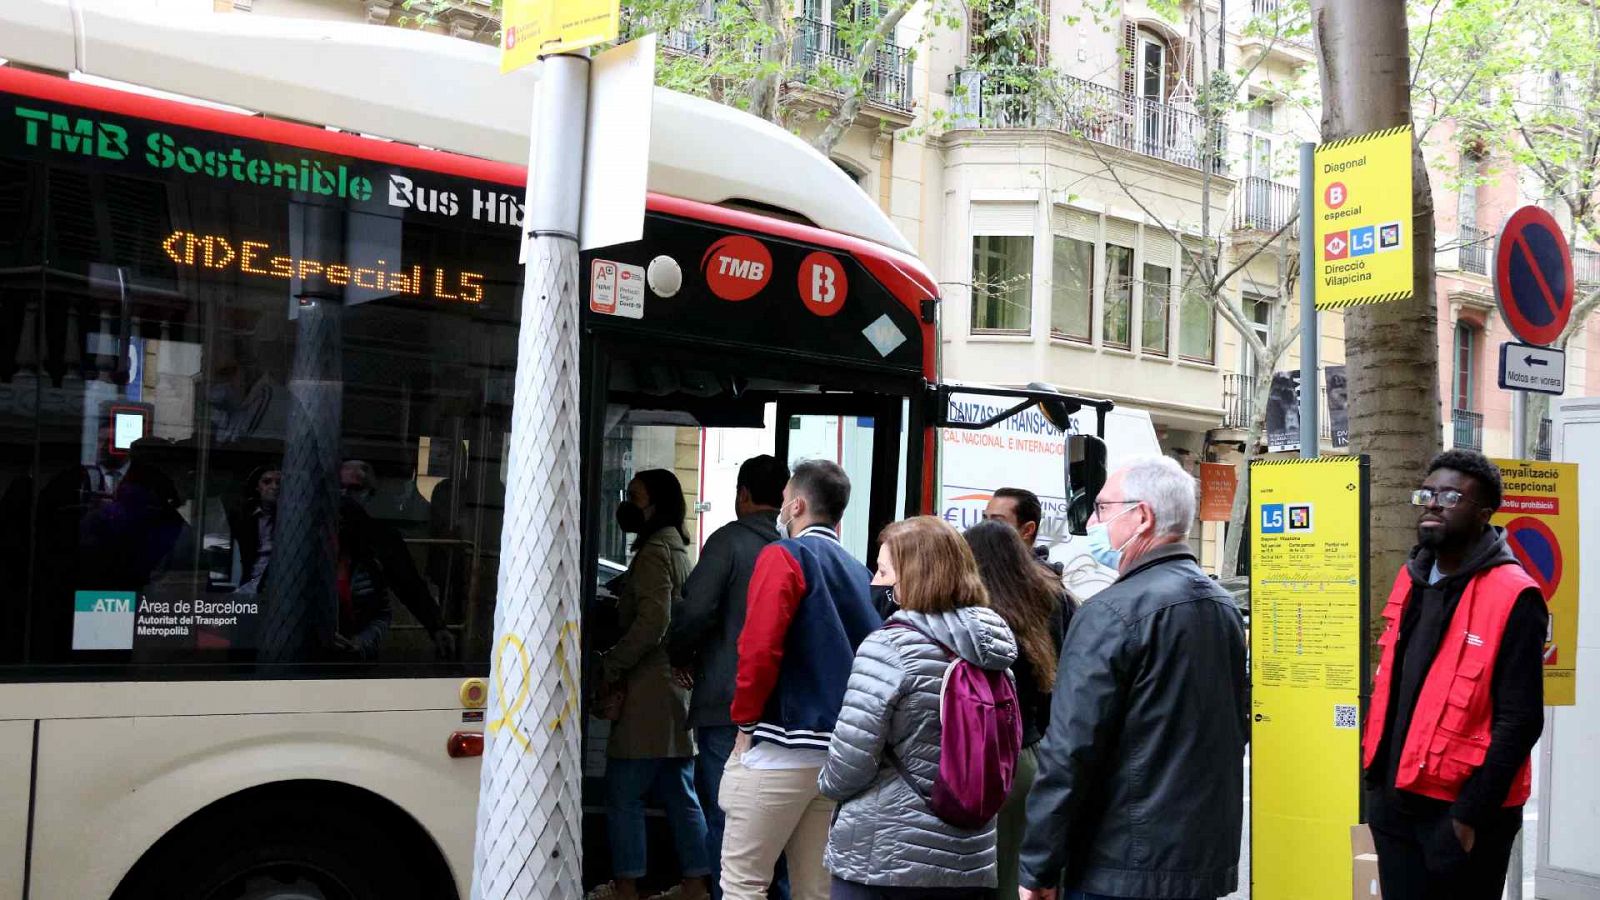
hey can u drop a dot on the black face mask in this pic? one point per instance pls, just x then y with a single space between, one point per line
883 600
630 518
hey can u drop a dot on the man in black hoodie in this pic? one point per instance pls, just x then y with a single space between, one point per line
1457 700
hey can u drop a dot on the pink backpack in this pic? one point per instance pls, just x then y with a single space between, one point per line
980 737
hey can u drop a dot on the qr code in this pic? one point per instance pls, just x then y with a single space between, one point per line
1344 716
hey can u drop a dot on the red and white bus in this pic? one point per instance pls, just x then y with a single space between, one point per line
173 722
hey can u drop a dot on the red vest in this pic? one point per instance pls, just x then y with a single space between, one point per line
1449 733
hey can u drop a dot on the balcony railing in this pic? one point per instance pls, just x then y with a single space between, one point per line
1238 401
1024 97
1263 205
1468 430
688 37
818 45
1239 405
1586 269
1475 248
1541 450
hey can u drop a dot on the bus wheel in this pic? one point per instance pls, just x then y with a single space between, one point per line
311 854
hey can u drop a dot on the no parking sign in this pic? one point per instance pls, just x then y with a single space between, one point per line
1533 276
1540 516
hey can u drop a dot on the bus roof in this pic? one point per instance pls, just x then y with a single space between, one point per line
424 89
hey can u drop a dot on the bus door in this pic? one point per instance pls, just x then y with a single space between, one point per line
865 435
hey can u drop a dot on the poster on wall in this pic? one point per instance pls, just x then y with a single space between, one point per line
1308 626
1540 515
1283 413
1338 404
1025 451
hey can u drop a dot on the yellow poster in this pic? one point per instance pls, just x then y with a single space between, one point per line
535 28
1540 516
1307 590
1363 219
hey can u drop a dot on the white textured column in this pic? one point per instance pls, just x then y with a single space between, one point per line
530 814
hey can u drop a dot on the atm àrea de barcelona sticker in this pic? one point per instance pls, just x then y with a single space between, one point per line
736 268
823 285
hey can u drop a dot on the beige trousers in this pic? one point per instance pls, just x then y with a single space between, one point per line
771 812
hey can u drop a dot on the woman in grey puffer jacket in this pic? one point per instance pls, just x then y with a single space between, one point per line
885 843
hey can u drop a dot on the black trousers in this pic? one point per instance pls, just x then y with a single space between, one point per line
1421 859
849 890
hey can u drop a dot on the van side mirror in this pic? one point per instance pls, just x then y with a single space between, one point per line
1085 475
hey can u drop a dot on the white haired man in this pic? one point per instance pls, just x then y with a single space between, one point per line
1141 771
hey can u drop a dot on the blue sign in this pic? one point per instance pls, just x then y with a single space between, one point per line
1364 241
1272 518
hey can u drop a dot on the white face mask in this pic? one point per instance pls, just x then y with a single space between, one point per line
783 525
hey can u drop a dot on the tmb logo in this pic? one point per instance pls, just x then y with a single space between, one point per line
737 268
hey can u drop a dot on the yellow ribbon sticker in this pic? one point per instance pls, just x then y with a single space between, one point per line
564 661
507 713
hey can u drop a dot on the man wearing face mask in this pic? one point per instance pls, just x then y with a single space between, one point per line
1457 700
809 609
1141 774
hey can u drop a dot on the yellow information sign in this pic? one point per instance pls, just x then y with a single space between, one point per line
1307 641
1540 516
535 28
1363 221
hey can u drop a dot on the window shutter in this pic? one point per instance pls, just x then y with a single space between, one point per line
1121 233
1130 54
1158 248
1075 223
1003 218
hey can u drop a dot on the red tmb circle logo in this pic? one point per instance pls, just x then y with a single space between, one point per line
1335 195
823 285
737 268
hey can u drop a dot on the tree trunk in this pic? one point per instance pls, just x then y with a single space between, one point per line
764 90
1391 349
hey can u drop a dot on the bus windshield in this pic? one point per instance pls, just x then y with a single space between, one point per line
255 394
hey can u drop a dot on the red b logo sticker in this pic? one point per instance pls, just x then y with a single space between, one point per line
737 268
822 284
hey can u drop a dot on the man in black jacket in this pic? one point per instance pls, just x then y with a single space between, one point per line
1445 825
1140 792
703 639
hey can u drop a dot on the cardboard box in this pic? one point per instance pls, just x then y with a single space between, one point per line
1364 865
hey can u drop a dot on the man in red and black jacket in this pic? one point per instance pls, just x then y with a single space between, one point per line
809 607
1458 697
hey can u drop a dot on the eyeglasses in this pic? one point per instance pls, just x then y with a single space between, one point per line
1100 505
1448 498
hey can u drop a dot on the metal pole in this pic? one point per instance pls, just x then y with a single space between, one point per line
1519 425
1310 434
530 791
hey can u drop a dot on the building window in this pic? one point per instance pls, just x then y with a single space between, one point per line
1072 288
1002 283
1197 323
1260 310
1118 318
1025 41
1465 373
1157 301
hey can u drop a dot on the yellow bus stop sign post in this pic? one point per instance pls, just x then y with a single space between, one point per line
1308 628
1362 217
535 28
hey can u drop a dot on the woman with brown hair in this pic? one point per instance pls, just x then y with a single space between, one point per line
1034 604
886 842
